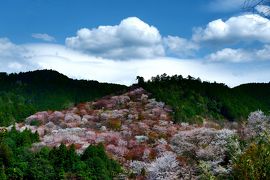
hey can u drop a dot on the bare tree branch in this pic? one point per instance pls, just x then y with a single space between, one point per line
252 6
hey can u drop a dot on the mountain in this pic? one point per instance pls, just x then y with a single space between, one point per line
25 93
136 131
193 100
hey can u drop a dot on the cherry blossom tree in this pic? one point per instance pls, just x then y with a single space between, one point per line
164 167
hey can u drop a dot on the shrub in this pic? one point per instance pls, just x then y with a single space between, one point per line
209 146
136 153
254 162
35 123
164 167
258 123
115 124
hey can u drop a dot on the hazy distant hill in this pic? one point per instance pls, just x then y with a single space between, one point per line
25 93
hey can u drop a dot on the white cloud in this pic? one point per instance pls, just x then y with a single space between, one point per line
7 48
179 46
12 57
244 28
79 65
240 55
94 53
230 55
83 66
15 65
44 37
132 38
226 5
264 53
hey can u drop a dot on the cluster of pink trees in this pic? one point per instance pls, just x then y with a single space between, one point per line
139 133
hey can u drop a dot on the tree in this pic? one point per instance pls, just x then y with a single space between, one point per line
72 158
253 163
260 6
6 155
164 167
98 168
40 169
2 173
99 163
140 80
94 151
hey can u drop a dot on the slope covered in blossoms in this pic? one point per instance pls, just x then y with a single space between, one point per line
129 125
138 132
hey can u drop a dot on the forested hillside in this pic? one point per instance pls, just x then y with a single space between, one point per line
192 100
137 132
26 93
17 161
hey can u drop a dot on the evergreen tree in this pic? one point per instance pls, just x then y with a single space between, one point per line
2 173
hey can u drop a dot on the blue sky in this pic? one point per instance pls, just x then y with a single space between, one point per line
116 40
61 18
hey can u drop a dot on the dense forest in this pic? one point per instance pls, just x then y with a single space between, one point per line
192 100
17 161
26 93
240 153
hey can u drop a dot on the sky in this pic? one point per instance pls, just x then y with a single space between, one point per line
117 40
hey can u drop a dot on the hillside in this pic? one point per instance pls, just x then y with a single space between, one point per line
193 100
64 123
137 131
120 122
26 93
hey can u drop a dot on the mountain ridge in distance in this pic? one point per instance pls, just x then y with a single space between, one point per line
191 99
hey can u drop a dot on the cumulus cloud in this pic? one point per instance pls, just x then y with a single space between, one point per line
76 64
132 38
79 65
226 5
44 37
230 55
264 53
244 28
94 53
7 48
12 57
180 47
240 55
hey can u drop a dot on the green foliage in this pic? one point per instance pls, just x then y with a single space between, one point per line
206 173
193 100
3 176
101 166
254 162
40 168
35 123
6 155
18 162
23 94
